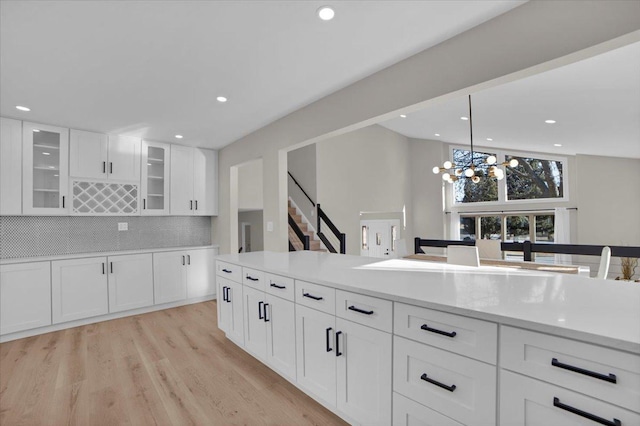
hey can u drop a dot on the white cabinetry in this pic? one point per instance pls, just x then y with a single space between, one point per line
179 275
281 335
45 169
79 288
156 167
130 282
230 309
25 296
10 167
201 277
98 156
194 181
255 328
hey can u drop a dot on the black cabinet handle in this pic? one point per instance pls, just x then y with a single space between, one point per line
250 278
260 310
281 287
311 296
111 266
190 204
102 268
111 168
592 417
353 308
224 294
196 204
611 378
228 298
327 336
144 204
182 260
338 353
437 383
227 271
188 259
63 201
435 330
104 167
265 313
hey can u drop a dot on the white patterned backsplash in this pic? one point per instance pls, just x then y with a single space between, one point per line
31 236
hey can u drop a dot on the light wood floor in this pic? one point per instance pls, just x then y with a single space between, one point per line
171 367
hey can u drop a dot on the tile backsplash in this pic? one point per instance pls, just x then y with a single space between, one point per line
30 236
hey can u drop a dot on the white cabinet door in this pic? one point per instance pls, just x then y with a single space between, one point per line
170 276
130 282
25 296
363 372
79 288
205 191
155 169
407 412
235 300
87 154
201 274
223 306
255 327
45 171
10 166
181 180
316 355
281 336
124 158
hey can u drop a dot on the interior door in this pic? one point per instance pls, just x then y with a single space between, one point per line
378 238
88 154
124 158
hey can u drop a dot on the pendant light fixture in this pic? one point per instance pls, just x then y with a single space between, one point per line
474 170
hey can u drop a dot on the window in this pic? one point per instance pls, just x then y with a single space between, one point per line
468 192
534 178
365 237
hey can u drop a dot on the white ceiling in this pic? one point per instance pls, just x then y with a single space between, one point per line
154 68
595 102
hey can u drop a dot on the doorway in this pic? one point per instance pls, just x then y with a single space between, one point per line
378 238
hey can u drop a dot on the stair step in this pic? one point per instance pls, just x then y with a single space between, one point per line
297 218
293 211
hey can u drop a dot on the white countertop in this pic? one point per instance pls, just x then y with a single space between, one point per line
603 312
99 254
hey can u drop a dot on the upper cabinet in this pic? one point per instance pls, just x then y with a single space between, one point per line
45 160
98 156
156 163
10 167
194 181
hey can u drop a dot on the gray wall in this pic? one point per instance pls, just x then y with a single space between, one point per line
301 163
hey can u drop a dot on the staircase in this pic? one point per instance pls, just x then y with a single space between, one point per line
314 245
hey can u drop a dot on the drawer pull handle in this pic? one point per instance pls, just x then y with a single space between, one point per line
260 310
362 311
228 298
611 378
281 287
338 353
435 330
250 278
311 296
557 403
227 271
437 383
265 312
327 336
224 294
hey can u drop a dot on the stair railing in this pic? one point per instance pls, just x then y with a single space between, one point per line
301 235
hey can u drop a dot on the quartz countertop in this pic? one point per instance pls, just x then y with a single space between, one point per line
603 312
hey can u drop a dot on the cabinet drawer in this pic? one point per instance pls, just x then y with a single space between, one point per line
253 278
466 336
455 386
528 402
617 374
365 310
229 271
409 413
316 296
280 286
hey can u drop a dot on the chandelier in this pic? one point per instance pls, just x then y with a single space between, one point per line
474 168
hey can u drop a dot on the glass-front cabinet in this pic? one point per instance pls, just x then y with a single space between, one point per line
155 178
46 169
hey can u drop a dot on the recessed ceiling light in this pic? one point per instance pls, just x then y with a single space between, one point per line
22 108
437 134
51 167
179 136
46 153
489 139
36 130
148 164
326 13
557 144
56 175
403 116
550 121
464 118
221 99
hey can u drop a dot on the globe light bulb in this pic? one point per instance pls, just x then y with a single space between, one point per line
492 169
491 159
513 162
475 179
469 173
436 170
446 176
458 172
448 164
499 174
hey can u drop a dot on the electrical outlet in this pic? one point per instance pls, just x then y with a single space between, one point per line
123 226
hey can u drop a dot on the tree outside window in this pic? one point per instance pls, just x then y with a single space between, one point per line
534 179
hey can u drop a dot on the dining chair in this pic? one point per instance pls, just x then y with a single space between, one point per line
605 260
463 255
489 249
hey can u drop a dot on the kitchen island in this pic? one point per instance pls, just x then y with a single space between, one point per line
441 344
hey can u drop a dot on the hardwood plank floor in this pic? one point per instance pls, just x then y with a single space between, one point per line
170 367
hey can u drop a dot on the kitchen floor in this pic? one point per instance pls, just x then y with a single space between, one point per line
170 367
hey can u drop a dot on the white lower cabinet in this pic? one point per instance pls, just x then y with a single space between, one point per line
130 282
201 274
169 276
363 373
281 335
529 402
316 354
79 288
407 412
230 309
25 296
255 327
